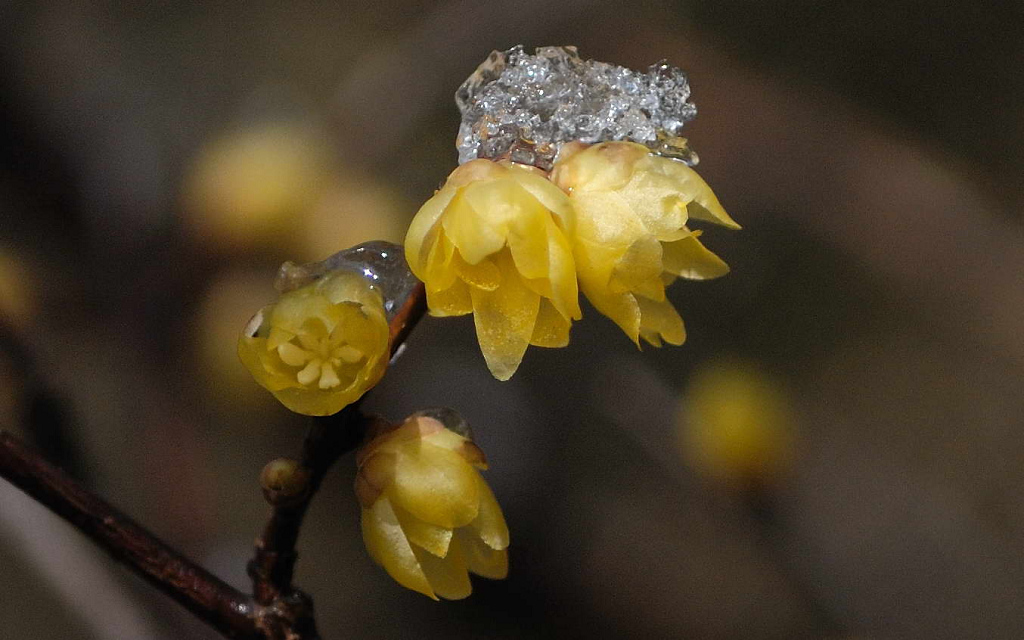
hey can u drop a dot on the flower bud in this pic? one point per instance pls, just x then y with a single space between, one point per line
428 517
492 242
320 347
284 481
630 238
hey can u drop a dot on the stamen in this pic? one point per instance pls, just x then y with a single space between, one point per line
292 355
309 341
328 378
348 353
310 373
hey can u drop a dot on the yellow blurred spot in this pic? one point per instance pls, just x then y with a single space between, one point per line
352 209
736 424
245 189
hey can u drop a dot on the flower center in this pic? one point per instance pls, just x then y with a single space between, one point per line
319 356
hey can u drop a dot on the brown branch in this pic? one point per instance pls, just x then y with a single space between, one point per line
213 601
278 611
273 564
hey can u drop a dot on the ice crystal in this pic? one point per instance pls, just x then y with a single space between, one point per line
525 107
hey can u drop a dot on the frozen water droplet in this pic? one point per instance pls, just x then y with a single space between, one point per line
381 263
678 149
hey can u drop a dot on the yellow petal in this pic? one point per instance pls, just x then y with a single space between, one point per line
652 289
388 546
489 524
548 195
663 319
481 559
504 320
448 576
552 329
640 263
704 205
453 301
562 275
427 536
439 272
484 275
423 225
435 485
690 259
594 267
528 241
607 218
477 220
277 337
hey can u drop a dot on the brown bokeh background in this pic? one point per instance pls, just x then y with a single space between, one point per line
159 160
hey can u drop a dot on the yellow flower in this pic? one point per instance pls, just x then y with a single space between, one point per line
428 517
319 347
492 242
631 238
736 424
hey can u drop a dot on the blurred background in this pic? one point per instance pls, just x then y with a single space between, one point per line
835 452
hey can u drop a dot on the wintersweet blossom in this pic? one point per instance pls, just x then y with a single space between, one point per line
319 347
428 517
631 237
493 242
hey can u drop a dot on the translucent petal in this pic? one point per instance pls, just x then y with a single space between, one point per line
277 337
594 268
562 274
483 275
504 320
663 319
607 218
387 545
480 558
690 259
448 576
548 195
453 301
423 225
489 524
427 536
652 289
477 221
435 485
605 166
439 274
528 240
640 263
552 328
704 205
656 199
